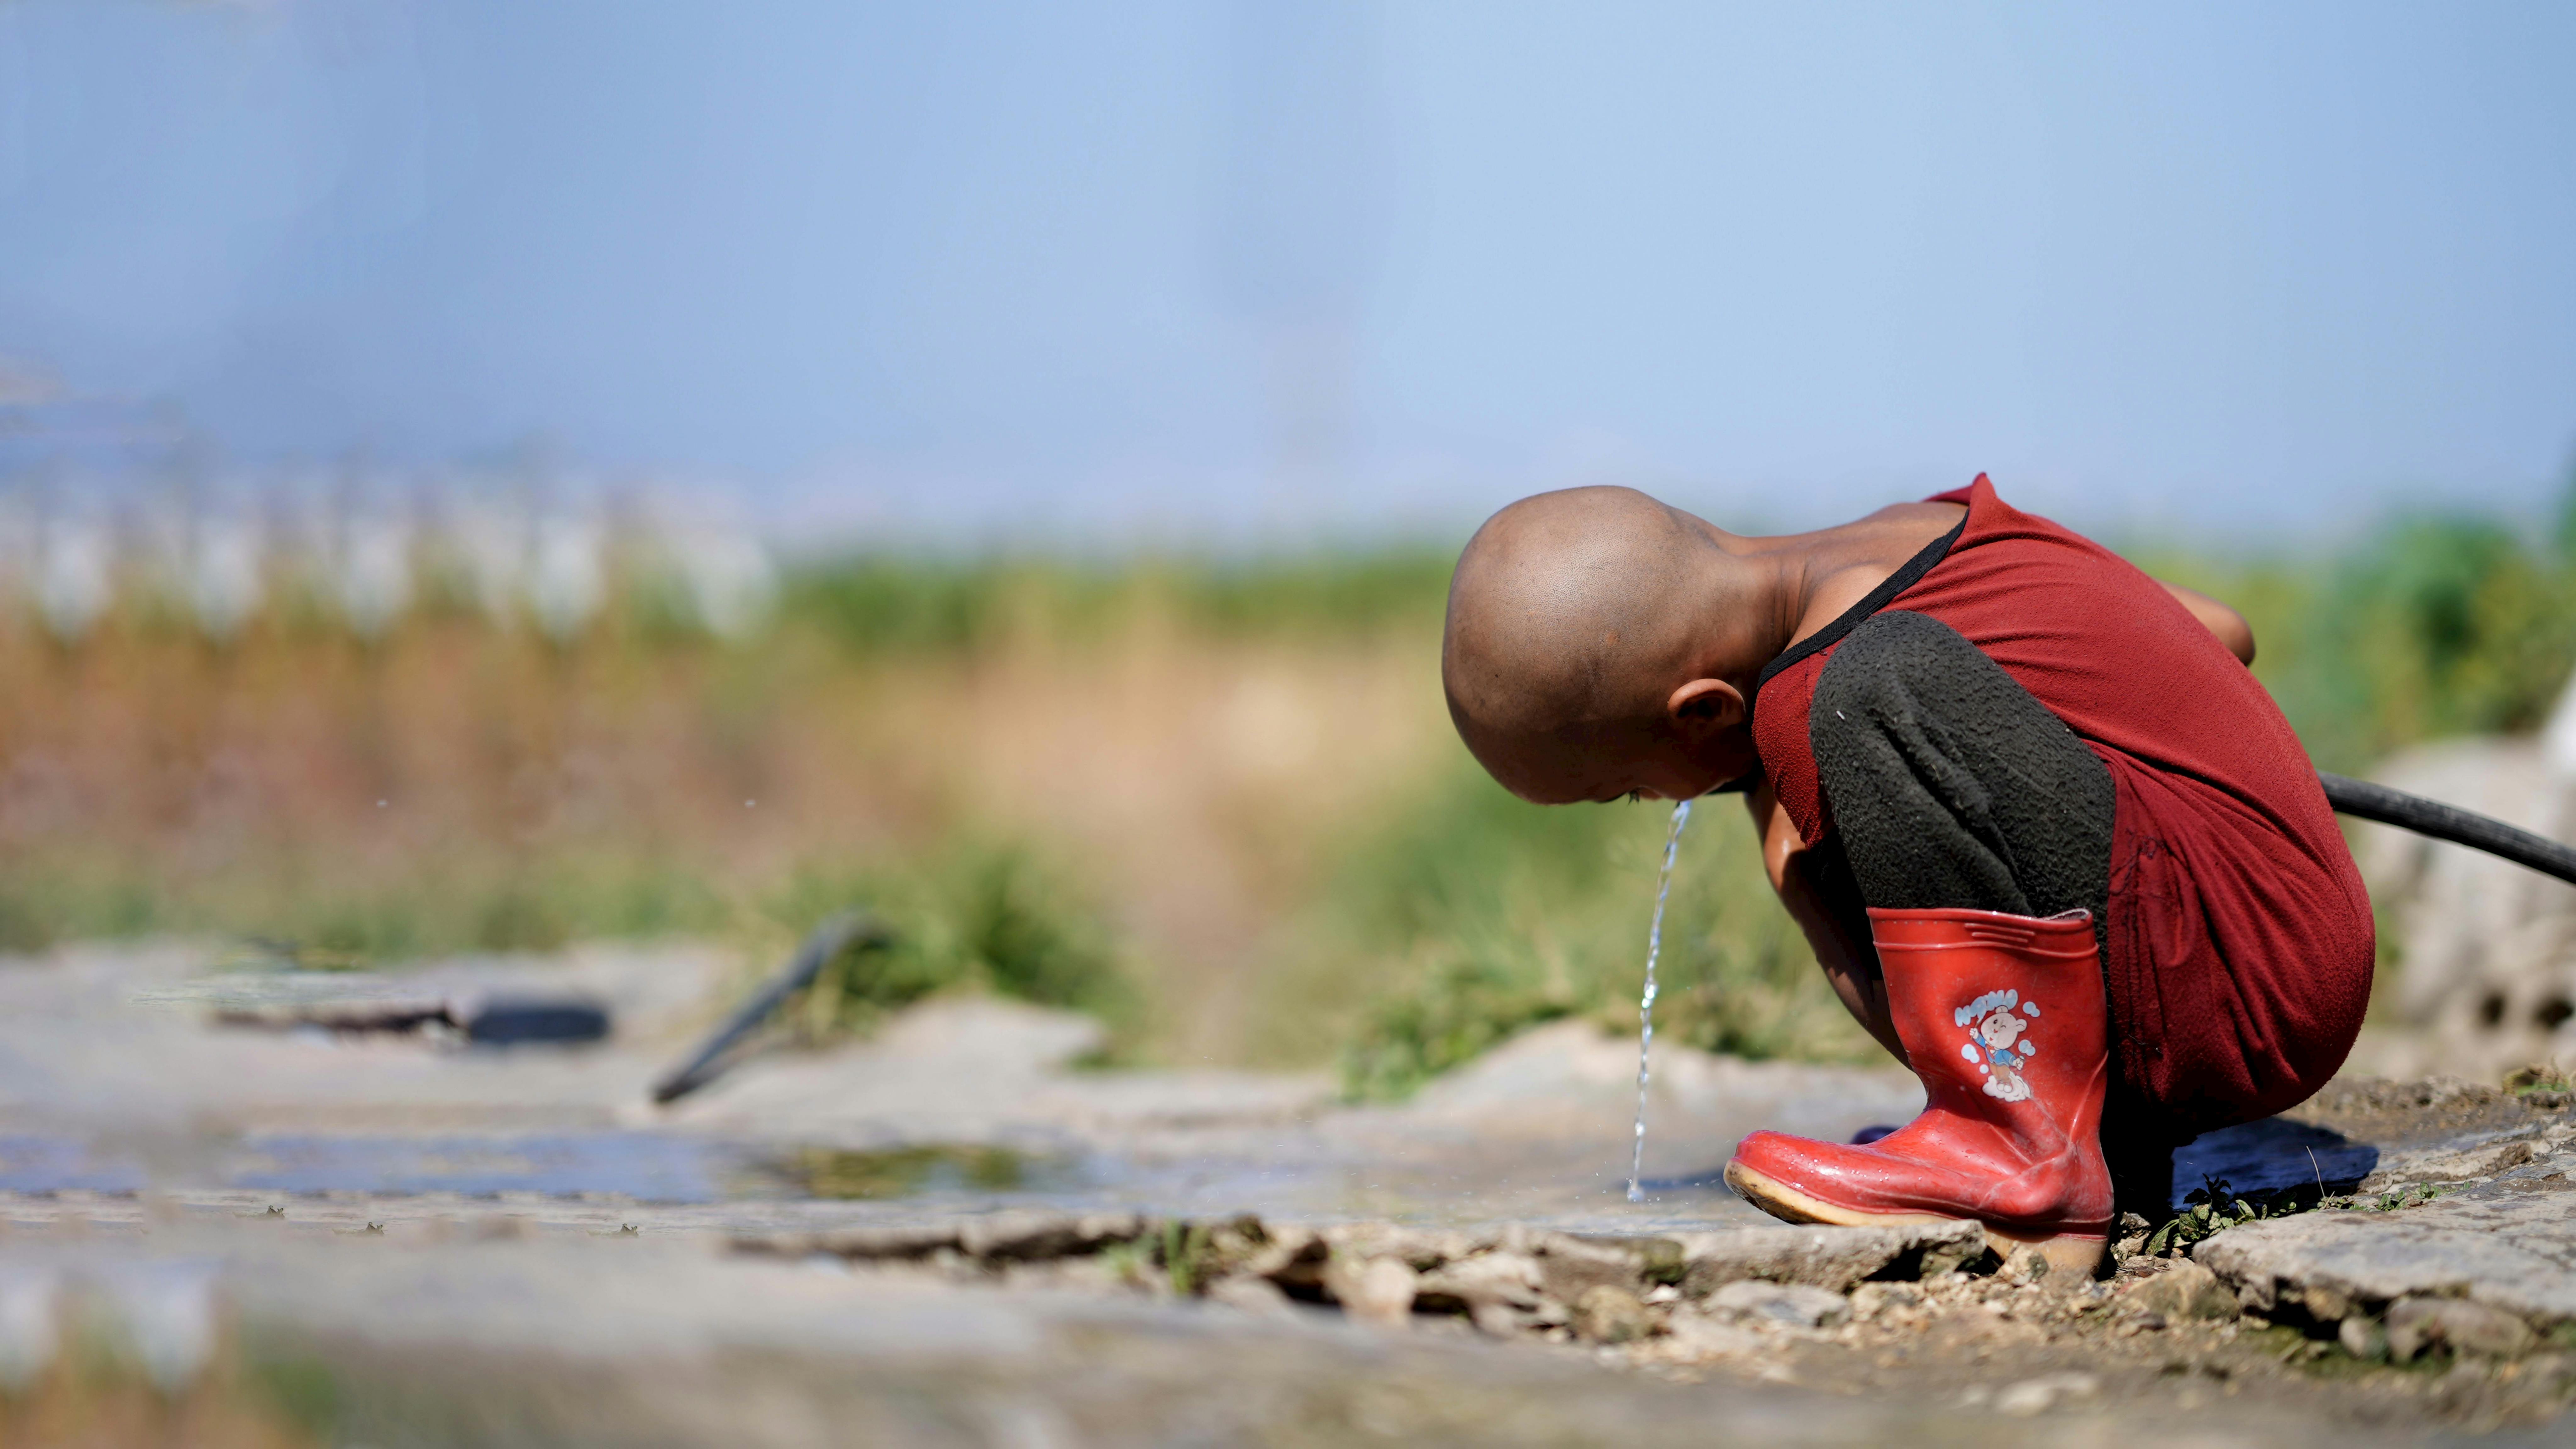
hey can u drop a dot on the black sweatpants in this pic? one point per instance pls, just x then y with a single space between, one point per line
1949 785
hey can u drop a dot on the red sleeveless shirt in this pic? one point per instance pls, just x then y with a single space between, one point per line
2240 938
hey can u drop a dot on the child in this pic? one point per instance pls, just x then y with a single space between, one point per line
2053 845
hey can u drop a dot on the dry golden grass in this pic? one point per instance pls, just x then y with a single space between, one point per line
460 784
93 1397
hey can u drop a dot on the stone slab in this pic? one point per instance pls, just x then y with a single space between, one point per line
2510 1247
1824 1257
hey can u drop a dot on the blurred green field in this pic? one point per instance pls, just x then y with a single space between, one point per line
1216 802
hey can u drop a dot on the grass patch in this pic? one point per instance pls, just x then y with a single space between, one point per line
974 915
1476 915
2433 624
312 916
876 605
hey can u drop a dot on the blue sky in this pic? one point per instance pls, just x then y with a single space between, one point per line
1266 269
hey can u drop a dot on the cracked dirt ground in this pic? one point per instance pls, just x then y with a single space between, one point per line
242 1236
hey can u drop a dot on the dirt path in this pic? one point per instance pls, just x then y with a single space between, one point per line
949 1236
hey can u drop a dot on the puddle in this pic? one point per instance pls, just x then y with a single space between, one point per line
39 1166
2271 1154
642 1166
935 1168
645 1166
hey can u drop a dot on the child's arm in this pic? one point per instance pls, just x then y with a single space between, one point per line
1851 964
2226 623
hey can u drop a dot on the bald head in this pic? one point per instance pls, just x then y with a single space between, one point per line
1572 618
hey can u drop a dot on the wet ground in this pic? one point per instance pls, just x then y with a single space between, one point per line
229 1223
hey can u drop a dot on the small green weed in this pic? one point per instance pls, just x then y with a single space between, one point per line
2214 1207
1131 1262
2388 1202
2539 1078
1185 1256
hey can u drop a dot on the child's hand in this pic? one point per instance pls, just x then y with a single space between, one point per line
2218 619
1849 960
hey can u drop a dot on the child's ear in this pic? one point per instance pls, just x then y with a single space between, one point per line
1706 706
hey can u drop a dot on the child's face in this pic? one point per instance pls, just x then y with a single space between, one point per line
1999 1029
1655 759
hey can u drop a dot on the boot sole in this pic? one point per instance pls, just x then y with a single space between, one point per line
2065 1252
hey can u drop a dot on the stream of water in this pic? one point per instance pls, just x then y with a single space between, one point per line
1646 1003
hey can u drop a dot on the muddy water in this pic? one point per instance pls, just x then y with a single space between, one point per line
1646 1002
633 1166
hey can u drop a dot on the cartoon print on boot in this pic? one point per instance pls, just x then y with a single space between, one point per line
1995 1042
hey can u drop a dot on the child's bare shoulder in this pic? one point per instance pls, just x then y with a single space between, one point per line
1914 515
1893 534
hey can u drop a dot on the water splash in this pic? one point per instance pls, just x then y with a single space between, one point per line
1646 1003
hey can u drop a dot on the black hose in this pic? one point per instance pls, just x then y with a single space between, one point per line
848 931
2364 800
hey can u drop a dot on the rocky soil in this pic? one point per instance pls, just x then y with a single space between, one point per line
281 1234
2456 1308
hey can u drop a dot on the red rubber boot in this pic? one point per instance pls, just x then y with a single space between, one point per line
2004 1018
